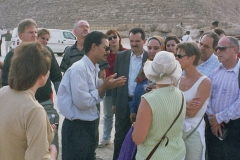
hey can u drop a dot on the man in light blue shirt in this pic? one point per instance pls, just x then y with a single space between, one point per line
79 92
208 61
224 104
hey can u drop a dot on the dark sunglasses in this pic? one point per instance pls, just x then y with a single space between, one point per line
223 48
179 56
107 48
112 37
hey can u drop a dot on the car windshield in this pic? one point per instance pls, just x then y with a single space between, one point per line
69 35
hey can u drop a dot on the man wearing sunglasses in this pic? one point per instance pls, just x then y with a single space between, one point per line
79 93
76 52
208 60
128 64
223 109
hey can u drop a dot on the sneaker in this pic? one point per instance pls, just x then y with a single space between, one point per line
103 143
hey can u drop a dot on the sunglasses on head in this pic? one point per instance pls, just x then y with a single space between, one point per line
179 56
112 37
107 48
223 48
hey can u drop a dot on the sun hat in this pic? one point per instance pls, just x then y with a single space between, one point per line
164 69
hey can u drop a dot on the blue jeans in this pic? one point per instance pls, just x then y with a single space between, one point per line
108 117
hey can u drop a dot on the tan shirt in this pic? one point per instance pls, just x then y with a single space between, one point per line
25 131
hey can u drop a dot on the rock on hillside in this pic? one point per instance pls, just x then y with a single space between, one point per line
154 15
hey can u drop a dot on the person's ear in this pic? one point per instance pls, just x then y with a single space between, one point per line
20 35
93 47
193 57
235 49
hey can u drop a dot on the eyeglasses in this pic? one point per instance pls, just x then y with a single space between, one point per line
84 26
179 56
107 48
223 48
112 37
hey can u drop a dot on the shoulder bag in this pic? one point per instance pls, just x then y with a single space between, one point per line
165 135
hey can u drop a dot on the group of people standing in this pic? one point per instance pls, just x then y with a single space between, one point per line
182 95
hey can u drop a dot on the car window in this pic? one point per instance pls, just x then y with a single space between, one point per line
55 34
68 35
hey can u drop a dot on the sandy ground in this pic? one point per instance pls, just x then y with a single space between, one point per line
104 153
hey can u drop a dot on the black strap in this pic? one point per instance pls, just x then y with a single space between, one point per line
165 135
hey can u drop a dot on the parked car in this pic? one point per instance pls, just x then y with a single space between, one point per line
58 42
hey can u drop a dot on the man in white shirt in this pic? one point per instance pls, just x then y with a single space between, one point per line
79 92
187 37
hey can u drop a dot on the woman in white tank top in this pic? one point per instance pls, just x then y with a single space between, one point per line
196 89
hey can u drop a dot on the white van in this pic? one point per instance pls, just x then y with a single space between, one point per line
58 42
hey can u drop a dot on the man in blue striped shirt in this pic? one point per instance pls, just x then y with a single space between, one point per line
224 104
208 61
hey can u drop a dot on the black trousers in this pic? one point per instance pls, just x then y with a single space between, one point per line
229 148
78 140
122 127
96 127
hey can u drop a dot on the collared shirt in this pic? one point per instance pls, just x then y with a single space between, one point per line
186 38
225 97
77 93
71 55
209 66
135 66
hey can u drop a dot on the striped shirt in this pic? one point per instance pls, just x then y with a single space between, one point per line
225 97
209 66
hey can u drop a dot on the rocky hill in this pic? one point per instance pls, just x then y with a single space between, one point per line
153 15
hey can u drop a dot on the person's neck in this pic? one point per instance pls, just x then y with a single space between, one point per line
202 60
230 64
138 53
162 85
191 72
34 88
115 49
80 42
92 58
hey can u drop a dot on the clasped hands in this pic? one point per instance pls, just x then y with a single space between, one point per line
215 126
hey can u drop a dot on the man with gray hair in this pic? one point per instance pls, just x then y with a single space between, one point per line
223 129
76 53
79 93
